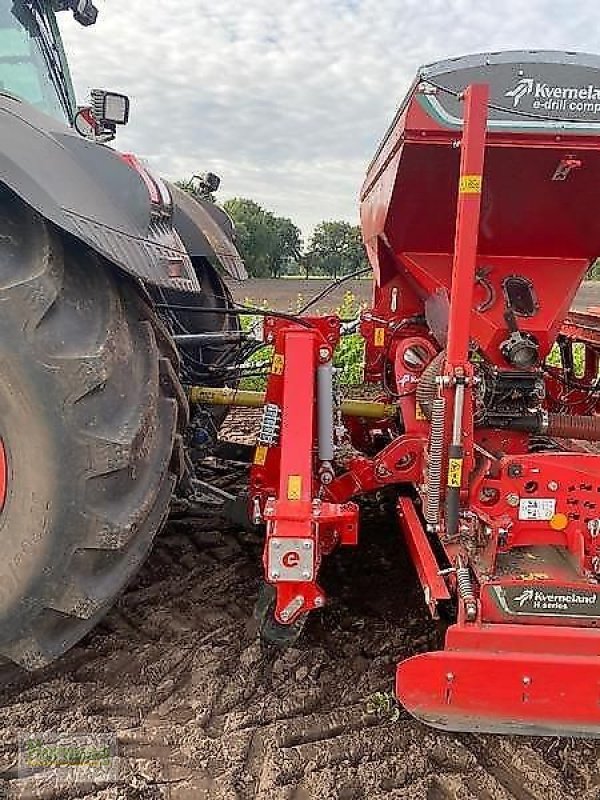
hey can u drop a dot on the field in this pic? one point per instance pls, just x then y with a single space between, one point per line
202 712
289 294
284 294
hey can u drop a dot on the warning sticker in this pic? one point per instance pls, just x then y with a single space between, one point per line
294 490
537 508
470 184
260 455
454 472
277 365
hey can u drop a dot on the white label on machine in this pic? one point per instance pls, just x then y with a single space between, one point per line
539 508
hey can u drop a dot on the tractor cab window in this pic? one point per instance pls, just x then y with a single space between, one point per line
32 65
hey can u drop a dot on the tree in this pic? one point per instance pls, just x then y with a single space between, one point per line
336 248
268 244
288 244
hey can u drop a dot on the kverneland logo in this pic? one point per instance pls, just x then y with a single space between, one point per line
523 87
541 596
567 601
551 97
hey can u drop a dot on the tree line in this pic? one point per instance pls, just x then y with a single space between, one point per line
272 246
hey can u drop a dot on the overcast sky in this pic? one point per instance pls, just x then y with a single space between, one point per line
287 99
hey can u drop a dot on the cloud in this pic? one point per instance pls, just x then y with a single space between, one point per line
288 100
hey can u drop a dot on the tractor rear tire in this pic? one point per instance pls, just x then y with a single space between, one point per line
90 410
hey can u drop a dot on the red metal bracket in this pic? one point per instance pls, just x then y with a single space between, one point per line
301 528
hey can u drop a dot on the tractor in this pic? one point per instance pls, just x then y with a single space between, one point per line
102 265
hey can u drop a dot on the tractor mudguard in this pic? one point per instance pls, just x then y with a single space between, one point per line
207 232
92 193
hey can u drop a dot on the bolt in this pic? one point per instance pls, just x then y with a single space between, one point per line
276 544
306 575
319 601
526 680
306 545
449 677
470 610
552 486
324 353
275 575
512 499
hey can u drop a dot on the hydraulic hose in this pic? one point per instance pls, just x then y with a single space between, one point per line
562 426
571 426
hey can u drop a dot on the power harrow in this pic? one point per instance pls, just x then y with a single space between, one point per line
480 218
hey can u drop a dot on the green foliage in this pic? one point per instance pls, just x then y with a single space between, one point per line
335 248
554 359
349 357
268 244
383 705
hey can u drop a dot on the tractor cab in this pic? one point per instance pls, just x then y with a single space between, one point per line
34 67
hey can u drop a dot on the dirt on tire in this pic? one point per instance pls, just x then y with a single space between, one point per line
202 711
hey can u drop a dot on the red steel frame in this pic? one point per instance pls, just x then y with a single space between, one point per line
501 670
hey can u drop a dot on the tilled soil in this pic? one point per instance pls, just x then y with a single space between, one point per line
202 711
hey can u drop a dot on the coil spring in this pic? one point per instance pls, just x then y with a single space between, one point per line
270 425
464 582
434 470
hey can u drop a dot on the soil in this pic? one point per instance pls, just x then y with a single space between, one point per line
202 711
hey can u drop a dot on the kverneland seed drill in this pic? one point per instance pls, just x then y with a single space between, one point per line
119 347
481 216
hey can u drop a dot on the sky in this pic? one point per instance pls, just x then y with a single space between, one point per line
287 100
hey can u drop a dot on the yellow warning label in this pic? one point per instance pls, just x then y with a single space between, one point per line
470 184
379 337
294 491
419 412
277 365
454 471
260 455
